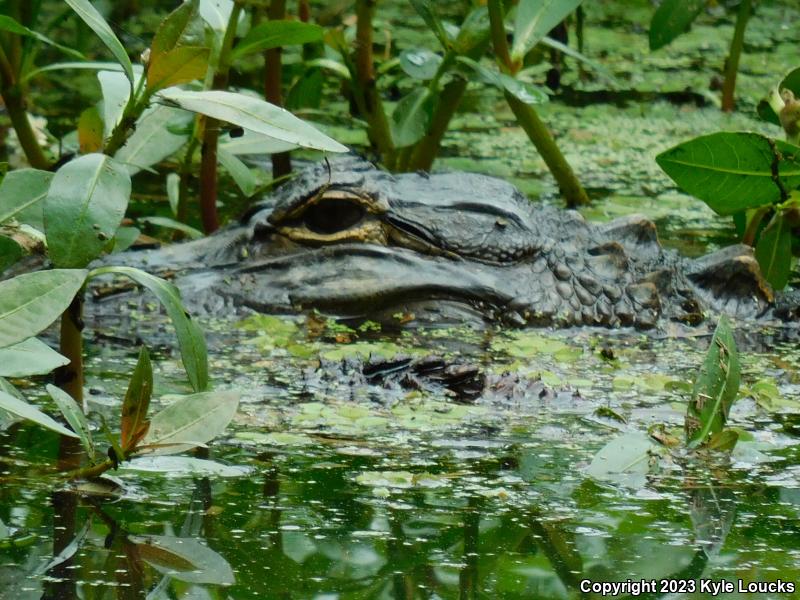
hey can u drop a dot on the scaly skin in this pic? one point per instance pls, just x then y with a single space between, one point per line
355 241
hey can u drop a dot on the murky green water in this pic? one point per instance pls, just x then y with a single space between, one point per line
372 492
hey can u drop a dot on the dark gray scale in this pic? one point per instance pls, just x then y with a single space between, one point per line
468 215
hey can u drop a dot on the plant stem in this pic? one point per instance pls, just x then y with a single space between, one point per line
70 376
15 103
367 97
749 236
539 134
529 120
208 150
182 214
137 103
273 71
732 64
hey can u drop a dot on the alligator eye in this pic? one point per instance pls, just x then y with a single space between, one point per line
332 215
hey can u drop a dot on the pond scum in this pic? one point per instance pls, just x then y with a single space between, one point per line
155 454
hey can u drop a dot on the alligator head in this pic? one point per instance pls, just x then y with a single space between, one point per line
354 241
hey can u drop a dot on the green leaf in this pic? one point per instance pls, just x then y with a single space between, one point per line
240 172
254 143
420 64
29 357
173 30
154 138
97 23
411 117
90 131
571 52
134 423
474 31
83 208
190 338
191 421
275 34
216 13
116 93
74 416
174 191
181 65
10 252
9 24
732 172
715 387
525 92
425 10
31 302
21 193
535 19
774 251
625 460
185 466
27 411
254 114
87 65
185 559
125 238
190 231
671 19
724 441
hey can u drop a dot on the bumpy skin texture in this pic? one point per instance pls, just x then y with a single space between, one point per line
355 241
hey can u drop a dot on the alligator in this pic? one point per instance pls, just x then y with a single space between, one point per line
354 241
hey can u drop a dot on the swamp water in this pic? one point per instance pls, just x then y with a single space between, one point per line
331 490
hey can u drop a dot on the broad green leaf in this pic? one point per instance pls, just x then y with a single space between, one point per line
190 231
333 66
420 64
732 172
671 19
134 423
525 92
74 416
184 466
190 338
83 208
116 93
97 23
216 13
723 441
90 131
791 82
190 421
173 30
184 559
21 193
9 24
774 251
474 31
425 10
275 34
306 91
715 387
411 117
86 65
254 114
253 143
625 460
29 412
31 302
29 357
10 252
240 172
154 138
181 65
535 19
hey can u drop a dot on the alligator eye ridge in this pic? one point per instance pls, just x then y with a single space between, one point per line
332 215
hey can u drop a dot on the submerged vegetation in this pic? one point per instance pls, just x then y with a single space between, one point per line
366 459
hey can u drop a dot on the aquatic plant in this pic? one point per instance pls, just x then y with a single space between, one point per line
674 17
753 178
